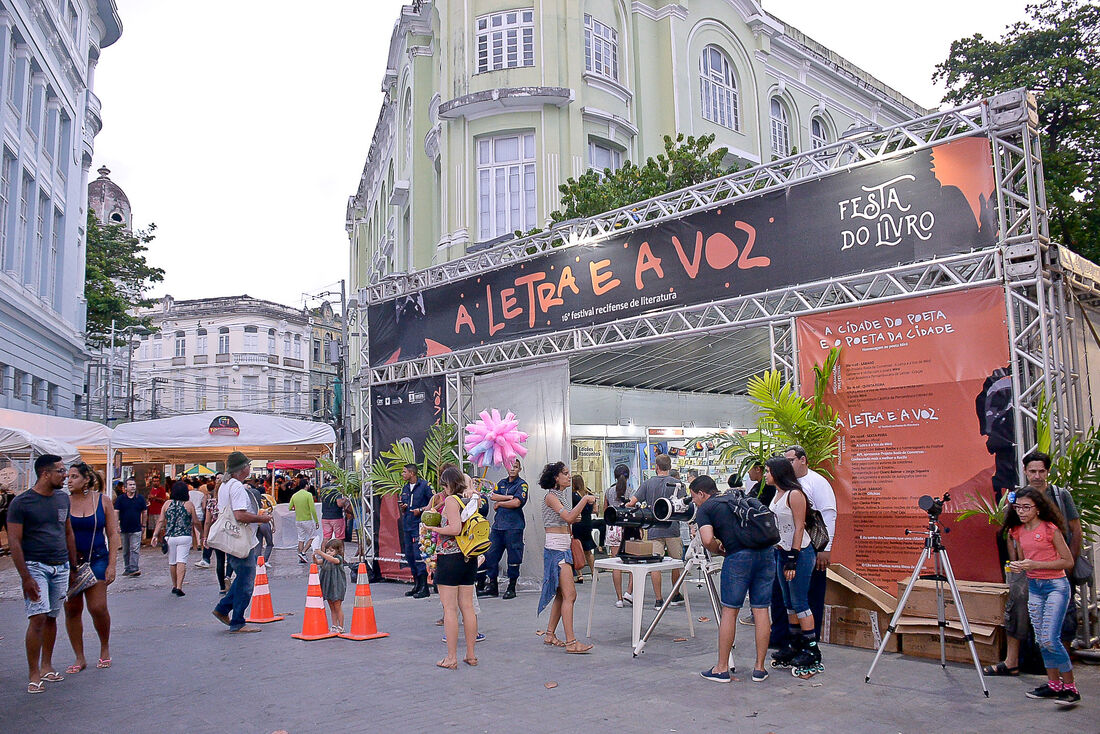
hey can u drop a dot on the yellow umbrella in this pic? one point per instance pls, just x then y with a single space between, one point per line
198 470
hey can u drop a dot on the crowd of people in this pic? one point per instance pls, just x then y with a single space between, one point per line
65 547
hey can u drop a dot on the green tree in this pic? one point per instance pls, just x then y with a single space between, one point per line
116 278
1055 54
685 162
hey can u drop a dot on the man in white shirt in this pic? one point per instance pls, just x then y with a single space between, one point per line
233 497
823 499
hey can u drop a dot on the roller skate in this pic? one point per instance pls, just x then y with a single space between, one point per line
782 657
807 663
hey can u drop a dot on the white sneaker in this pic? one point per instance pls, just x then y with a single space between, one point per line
619 603
628 598
202 564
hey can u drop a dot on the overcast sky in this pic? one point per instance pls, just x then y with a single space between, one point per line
240 127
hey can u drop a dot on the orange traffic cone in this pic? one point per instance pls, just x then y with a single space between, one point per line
314 621
262 612
363 625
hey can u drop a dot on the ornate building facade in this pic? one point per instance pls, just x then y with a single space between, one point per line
49 117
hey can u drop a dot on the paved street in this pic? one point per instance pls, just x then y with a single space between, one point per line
175 669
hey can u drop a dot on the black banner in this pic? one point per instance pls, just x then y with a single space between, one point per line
932 202
405 410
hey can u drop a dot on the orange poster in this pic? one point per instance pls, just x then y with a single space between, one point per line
908 388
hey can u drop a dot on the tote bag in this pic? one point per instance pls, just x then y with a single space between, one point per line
230 536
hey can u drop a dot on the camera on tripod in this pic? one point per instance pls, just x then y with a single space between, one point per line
933 505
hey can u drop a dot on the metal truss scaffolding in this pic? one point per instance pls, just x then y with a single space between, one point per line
1040 280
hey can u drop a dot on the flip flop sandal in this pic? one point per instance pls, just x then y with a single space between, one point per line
53 677
38 687
103 663
552 640
448 666
1000 669
74 669
470 661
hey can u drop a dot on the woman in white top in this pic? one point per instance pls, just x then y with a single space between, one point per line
795 559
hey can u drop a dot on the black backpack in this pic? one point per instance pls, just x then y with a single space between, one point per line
757 527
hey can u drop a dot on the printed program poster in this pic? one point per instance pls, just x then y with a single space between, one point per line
910 389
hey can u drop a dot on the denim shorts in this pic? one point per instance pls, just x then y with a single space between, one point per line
748 571
53 582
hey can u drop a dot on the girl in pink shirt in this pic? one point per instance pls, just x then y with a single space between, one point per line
1037 546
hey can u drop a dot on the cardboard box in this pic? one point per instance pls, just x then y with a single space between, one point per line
984 602
639 547
856 627
845 588
926 644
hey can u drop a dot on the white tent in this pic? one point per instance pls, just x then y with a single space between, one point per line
213 435
91 440
19 449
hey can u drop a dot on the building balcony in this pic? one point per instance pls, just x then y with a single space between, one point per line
296 363
249 358
179 361
273 359
199 359
222 358
95 113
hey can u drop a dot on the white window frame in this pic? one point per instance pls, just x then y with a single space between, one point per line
297 396
286 394
200 393
297 346
251 339
177 397
779 124
200 342
818 138
53 294
223 393
601 49
286 344
250 392
181 345
21 233
615 156
719 102
505 40
158 346
7 166
271 343
272 391
223 341
502 209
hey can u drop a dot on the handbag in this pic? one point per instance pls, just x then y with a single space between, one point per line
230 536
1082 571
579 561
815 526
85 576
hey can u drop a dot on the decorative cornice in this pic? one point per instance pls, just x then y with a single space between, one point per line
672 10
506 99
609 119
610 86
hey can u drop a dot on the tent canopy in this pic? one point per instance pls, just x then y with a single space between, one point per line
213 435
291 464
90 439
198 470
19 441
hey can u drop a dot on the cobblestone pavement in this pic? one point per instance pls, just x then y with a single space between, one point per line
175 669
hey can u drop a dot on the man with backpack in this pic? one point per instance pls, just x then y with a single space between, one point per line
745 531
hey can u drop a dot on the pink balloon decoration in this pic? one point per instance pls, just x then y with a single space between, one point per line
494 441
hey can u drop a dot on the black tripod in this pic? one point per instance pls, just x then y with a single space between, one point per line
933 548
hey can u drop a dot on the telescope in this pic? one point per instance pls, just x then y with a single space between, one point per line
674 509
633 517
933 505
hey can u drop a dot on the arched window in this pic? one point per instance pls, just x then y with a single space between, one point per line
781 131
718 89
819 133
408 113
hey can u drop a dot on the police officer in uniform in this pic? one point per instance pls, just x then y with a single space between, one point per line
415 496
507 533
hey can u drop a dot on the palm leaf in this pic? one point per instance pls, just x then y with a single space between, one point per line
440 447
347 483
1077 469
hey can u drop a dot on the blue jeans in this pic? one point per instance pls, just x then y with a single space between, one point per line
748 571
239 595
131 544
512 540
410 545
796 593
1046 604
